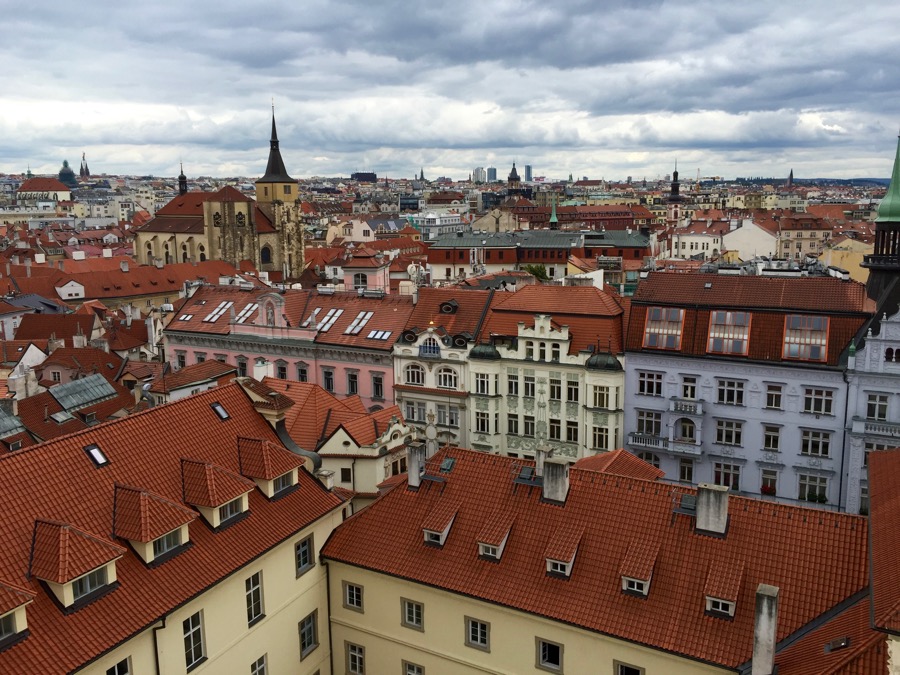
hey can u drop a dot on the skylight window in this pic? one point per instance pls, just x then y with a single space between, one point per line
379 335
219 410
185 317
245 313
357 324
312 318
329 320
214 315
96 454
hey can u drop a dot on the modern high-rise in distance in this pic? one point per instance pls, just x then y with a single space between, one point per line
479 175
528 176
492 174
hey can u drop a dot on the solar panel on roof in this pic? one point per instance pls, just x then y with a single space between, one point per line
80 393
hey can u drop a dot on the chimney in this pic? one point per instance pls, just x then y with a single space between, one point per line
415 462
158 263
556 480
262 368
123 265
540 456
54 343
712 508
27 267
326 477
764 630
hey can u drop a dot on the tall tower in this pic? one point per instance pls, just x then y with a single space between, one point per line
513 182
275 185
884 263
675 199
182 181
554 220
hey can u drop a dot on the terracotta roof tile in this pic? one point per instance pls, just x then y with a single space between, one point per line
620 463
641 557
197 373
140 515
265 460
206 484
440 517
12 596
62 552
564 541
884 496
497 525
818 559
724 579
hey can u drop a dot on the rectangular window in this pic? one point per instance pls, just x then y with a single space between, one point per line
662 329
512 424
805 337
815 443
573 389
818 401
625 669
356 659
571 431
729 333
555 389
283 482
877 407
413 669
649 422
727 474
281 370
192 629
412 614
199 357
731 392
769 483
181 359
253 592
599 438
729 432
601 397
512 384
555 428
123 667
528 426
167 542
771 438
813 488
483 384
529 386
353 597
689 387
478 634
305 555
650 384
352 383
686 470
346 475
258 667
328 380
773 396
549 655
231 509
309 634
89 583
482 423
378 386
302 374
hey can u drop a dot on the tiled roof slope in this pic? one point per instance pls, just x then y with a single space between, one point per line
36 411
57 481
265 460
884 497
65 327
817 559
61 553
620 463
206 484
140 515
470 308
13 596
844 302
193 374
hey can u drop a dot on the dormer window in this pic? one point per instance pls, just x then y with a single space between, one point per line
438 523
436 538
488 551
719 607
166 543
89 583
559 568
635 586
233 508
283 482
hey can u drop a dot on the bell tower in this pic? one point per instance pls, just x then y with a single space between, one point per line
276 184
884 263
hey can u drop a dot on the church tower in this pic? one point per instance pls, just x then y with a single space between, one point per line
884 263
674 201
182 182
276 184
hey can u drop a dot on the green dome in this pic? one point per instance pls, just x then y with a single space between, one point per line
485 352
603 361
889 209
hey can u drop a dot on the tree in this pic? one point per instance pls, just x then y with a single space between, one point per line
538 271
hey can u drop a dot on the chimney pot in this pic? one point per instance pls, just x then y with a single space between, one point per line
765 630
712 508
415 451
556 480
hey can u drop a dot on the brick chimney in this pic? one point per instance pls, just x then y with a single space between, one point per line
712 508
765 626
415 462
556 480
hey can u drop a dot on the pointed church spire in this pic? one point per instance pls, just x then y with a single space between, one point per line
884 263
182 181
275 171
554 221
889 208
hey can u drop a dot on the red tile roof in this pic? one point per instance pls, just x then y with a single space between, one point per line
884 498
140 515
61 552
13 596
265 460
206 484
41 184
197 373
62 326
620 463
818 559
468 315
57 481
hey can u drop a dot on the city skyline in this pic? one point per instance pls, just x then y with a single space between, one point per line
569 89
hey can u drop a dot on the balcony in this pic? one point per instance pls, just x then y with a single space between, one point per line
876 428
429 352
676 447
685 406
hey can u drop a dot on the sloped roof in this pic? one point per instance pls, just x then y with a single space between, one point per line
470 310
41 184
12 596
884 498
265 460
62 552
620 463
64 327
206 484
197 373
140 515
818 559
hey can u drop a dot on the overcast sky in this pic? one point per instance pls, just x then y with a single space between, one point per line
587 87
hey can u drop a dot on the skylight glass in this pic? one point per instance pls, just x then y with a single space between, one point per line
220 309
245 313
220 411
329 320
96 454
185 317
357 324
379 334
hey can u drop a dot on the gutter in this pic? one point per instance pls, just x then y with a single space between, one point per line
288 442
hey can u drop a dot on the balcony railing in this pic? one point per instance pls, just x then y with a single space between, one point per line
876 427
686 406
426 352
678 447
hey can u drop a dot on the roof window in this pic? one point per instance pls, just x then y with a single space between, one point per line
719 607
635 586
220 410
96 454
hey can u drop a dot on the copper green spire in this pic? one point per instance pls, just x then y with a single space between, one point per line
889 209
553 219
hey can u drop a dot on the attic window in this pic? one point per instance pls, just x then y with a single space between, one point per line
447 464
96 454
379 334
559 568
283 482
233 508
719 607
245 313
330 317
489 551
185 317
219 410
358 323
635 586
15 445
89 583
214 315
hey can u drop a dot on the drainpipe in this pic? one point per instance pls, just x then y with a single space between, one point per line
156 644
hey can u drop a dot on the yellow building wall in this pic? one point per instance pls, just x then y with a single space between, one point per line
230 645
849 256
441 647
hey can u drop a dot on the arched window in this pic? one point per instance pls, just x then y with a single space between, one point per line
686 430
202 252
360 280
542 351
529 350
430 347
888 354
149 253
554 352
265 255
447 378
650 458
184 253
415 374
